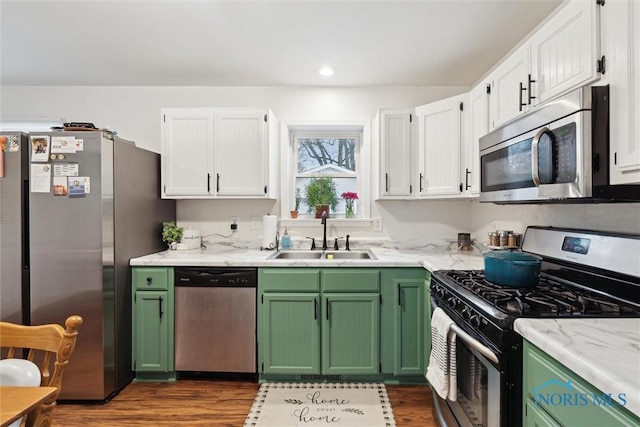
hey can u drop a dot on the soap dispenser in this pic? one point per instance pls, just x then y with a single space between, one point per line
286 240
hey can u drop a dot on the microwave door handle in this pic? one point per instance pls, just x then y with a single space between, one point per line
474 343
535 173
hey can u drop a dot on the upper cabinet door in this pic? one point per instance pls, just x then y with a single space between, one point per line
187 150
439 139
478 126
396 159
564 52
241 153
509 84
620 26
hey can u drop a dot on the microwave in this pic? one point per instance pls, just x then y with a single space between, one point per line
556 153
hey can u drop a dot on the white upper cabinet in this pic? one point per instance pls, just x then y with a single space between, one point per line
620 24
561 55
478 126
440 133
187 152
241 153
396 147
564 52
508 87
215 153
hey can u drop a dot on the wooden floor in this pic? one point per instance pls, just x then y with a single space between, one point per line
210 403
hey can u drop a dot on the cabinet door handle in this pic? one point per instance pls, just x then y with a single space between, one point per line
217 183
386 182
328 307
522 89
315 309
399 296
421 186
529 89
208 183
466 179
160 306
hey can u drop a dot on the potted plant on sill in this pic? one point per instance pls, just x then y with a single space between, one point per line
321 195
171 234
294 213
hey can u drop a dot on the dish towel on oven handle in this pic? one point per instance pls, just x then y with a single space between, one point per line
441 372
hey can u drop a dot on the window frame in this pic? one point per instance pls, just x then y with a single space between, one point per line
357 136
289 132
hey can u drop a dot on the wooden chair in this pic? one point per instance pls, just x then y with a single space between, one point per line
50 347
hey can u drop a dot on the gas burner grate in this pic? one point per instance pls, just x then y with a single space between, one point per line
548 298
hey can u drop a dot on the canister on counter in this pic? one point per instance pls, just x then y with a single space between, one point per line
514 240
504 238
494 239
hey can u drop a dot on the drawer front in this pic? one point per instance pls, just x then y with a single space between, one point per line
350 280
580 403
151 279
288 280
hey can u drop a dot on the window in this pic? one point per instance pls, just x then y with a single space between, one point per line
341 151
322 154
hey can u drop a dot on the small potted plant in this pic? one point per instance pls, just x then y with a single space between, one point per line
321 195
171 234
349 198
294 212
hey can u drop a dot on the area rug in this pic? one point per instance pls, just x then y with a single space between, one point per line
307 404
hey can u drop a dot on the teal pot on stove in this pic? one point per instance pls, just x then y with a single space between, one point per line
515 269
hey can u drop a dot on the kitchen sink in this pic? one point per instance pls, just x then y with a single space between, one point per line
300 254
323 255
359 254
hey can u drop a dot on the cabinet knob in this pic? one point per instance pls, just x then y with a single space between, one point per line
149 280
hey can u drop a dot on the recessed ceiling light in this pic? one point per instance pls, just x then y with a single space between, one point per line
326 71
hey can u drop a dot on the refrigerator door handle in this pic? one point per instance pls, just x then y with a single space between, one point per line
26 249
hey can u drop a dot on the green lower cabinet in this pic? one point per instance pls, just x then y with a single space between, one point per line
290 338
152 331
535 416
427 319
556 396
403 323
359 323
350 333
153 320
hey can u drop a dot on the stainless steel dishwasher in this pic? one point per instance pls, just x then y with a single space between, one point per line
215 319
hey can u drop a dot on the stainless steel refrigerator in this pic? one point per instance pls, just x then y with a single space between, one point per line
74 208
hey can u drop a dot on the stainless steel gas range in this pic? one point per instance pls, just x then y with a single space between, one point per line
584 274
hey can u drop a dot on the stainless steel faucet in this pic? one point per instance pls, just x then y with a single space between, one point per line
323 221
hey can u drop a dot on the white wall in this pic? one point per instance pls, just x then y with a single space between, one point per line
135 113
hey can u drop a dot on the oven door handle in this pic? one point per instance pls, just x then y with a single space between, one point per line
482 349
535 173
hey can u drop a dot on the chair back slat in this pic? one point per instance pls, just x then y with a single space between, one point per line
50 347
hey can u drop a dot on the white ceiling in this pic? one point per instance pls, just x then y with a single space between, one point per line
260 42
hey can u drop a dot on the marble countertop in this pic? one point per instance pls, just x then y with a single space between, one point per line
431 257
605 352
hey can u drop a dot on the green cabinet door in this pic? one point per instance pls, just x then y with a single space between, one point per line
350 333
427 318
289 338
409 327
565 396
151 331
534 416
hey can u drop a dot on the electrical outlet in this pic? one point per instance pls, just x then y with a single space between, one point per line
495 225
377 224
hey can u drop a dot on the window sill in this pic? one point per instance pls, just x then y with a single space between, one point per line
340 221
